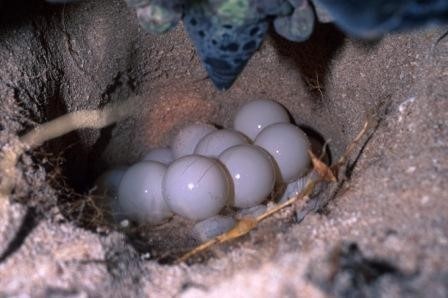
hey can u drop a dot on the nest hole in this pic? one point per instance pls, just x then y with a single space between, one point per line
86 153
78 202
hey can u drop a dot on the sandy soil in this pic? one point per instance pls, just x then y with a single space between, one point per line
383 233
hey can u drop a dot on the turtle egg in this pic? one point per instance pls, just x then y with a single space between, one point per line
107 184
255 115
253 212
212 227
213 144
107 189
187 138
162 155
253 174
140 192
196 187
289 146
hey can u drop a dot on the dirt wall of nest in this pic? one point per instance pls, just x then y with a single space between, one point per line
384 232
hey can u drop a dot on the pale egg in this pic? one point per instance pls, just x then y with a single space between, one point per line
255 115
289 146
196 187
212 227
213 144
188 138
140 193
253 174
163 155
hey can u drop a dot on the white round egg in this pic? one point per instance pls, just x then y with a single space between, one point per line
140 193
196 187
253 212
255 115
107 184
107 192
213 144
187 138
162 155
289 146
212 227
253 174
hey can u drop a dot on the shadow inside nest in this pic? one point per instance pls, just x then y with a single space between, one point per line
313 57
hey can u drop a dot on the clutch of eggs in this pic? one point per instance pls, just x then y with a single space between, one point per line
206 169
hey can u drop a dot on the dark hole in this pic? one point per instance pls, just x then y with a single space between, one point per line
317 144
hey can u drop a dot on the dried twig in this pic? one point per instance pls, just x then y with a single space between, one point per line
247 224
343 160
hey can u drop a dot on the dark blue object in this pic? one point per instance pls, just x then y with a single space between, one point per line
373 18
223 46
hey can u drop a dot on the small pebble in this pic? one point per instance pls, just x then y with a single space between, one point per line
145 256
124 223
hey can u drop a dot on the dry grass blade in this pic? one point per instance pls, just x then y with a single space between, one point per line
322 169
343 160
245 225
241 228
